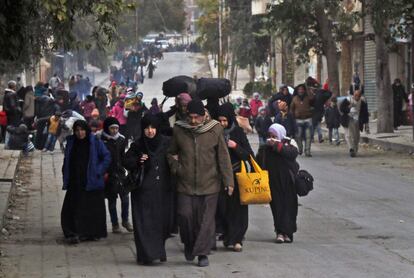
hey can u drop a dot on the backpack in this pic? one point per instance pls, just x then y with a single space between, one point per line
303 183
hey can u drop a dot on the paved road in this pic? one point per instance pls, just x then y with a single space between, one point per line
179 63
358 222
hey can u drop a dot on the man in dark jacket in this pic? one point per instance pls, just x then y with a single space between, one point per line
301 108
199 158
321 97
262 124
11 105
285 118
282 95
45 107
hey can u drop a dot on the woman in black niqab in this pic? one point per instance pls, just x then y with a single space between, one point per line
152 201
232 217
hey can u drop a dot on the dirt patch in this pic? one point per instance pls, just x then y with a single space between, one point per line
15 222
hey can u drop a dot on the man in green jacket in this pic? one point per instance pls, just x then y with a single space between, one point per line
199 158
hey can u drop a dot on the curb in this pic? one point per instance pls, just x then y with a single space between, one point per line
387 146
10 193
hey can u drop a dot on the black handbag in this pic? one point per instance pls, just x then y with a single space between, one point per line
133 179
303 183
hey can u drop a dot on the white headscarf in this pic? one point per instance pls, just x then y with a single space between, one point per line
278 130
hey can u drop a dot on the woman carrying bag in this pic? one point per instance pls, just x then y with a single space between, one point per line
152 198
278 156
236 217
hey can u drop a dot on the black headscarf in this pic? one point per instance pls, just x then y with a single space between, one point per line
227 110
151 143
83 125
109 122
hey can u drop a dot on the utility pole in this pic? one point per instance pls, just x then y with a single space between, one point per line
220 52
136 27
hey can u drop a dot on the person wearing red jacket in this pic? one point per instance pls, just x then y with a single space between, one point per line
255 104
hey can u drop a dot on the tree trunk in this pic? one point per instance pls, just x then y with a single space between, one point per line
233 68
288 63
319 66
252 72
235 78
329 47
80 60
385 123
346 65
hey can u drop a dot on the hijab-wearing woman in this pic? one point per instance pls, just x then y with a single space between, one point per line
236 218
152 201
86 159
116 143
278 156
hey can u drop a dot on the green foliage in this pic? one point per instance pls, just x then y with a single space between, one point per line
391 18
263 87
29 28
250 40
207 25
298 21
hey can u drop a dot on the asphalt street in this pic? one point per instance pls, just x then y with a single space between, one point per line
358 221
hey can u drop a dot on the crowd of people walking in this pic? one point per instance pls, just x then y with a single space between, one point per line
178 167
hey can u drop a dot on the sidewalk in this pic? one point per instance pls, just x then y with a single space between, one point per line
9 161
399 141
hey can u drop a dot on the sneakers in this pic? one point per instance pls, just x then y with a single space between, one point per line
203 261
352 153
116 229
280 238
128 226
287 239
237 247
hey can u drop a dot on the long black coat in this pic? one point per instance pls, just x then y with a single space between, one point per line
332 117
152 211
321 96
399 96
236 216
12 108
134 123
281 163
116 171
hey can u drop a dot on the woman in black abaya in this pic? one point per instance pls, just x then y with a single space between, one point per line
152 201
83 215
236 218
